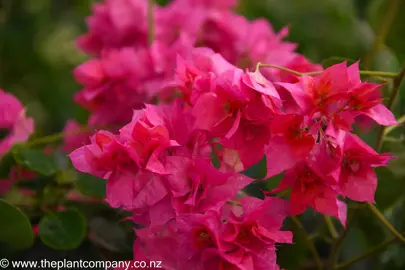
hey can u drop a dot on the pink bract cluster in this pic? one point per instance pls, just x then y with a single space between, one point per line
159 165
127 72
15 127
211 101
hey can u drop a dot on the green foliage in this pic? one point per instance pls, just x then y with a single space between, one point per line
376 13
35 160
15 227
63 230
91 186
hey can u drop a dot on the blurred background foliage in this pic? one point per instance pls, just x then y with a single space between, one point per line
37 55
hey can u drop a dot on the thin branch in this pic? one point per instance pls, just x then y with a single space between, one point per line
311 246
362 72
383 32
57 136
394 93
400 121
337 245
385 222
331 227
151 26
366 254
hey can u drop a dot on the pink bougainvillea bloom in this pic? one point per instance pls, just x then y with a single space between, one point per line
14 121
235 237
75 137
256 223
197 186
115 24
289 144
238 110
112 88
339 94
356 175
298 63
146 137
309 189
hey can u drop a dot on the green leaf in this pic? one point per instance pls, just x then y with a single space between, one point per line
257 171
110 234
390 188
35 160
91 186
15 227
63 230
274 181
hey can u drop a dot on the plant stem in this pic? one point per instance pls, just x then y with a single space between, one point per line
311 246
331 227
400 121
394 93
337 245
383 31
151 26
362 72
385 222
366 254
56 137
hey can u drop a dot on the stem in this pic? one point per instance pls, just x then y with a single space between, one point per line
385 222
366 254
259 65
362 72
151 26
331 227
394 93
383 31
56 137
311 246
334 255
400 121
283 193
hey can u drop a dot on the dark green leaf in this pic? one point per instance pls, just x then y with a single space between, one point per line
274 181
257 171
63 230
110 234
15 227
91 186
390 188
35 160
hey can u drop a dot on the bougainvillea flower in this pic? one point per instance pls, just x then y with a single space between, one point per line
13 122
239 236
309 189
115 24
356 175
197 186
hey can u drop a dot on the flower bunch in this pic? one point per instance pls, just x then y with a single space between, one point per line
159 165
127 71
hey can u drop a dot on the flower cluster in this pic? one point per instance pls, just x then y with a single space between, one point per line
15 127
126 71
159 165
